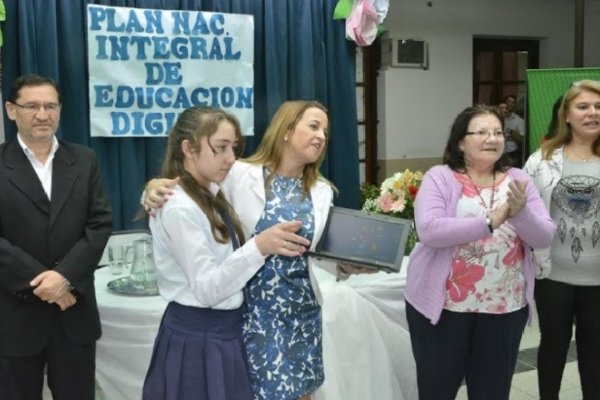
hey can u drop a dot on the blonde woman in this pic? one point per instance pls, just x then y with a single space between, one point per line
566 171
281 182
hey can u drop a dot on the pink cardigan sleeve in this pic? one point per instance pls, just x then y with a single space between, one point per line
435 212
533 224
438 226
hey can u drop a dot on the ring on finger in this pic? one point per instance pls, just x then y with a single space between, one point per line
285 244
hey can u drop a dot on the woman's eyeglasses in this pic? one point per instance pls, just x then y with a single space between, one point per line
482 133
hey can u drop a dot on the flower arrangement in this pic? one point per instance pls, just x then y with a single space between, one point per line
395 197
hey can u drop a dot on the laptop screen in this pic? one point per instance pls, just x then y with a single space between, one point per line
369 239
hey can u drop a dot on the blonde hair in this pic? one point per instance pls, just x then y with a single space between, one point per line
564 134
193 124
270 149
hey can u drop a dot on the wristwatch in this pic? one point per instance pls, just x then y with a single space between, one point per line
68 285
488 221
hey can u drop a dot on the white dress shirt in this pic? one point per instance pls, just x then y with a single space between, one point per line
194 269
42 170
513 123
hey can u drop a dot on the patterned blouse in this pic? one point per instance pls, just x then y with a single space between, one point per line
487 274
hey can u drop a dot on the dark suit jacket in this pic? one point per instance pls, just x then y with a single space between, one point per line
67 234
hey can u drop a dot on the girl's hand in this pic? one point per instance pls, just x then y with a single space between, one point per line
281 239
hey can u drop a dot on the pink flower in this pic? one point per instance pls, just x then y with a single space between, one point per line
499 308
399 204
386 202
519 290
396 195
463 279
515 253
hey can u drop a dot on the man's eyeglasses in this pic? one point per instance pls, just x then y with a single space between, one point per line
35 107
482 133
223 149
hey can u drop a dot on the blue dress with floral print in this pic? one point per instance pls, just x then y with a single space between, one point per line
282 324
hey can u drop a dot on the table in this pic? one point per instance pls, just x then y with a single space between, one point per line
367 352
129 326
366 345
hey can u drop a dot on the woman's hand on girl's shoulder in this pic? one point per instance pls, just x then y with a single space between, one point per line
157 193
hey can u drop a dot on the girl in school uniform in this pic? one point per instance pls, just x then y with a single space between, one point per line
203 263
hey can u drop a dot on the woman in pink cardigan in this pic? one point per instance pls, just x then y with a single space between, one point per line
470 280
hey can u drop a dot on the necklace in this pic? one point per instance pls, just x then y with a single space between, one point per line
573 154
488 210
288 185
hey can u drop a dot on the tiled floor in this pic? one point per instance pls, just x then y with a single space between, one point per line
524 385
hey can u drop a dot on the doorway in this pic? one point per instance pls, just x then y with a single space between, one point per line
499 70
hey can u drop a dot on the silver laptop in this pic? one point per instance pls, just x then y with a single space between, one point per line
363 239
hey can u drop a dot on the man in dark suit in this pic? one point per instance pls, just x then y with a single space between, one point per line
54 223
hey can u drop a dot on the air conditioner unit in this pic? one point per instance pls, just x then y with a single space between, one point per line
404 53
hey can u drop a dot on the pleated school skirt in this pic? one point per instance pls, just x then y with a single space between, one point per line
198 355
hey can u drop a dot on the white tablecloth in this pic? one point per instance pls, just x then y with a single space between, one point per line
129 326
366 345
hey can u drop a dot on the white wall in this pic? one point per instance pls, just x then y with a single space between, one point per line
416 107
592 33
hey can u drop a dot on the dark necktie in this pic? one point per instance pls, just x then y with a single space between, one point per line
229 224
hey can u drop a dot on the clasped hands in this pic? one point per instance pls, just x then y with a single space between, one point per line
52 287
515 202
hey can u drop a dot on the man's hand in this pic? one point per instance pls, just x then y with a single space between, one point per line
49 286
514 135
67 300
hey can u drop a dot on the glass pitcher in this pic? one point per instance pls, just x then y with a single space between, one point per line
143 269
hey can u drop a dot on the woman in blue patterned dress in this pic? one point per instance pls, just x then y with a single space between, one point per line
281 182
